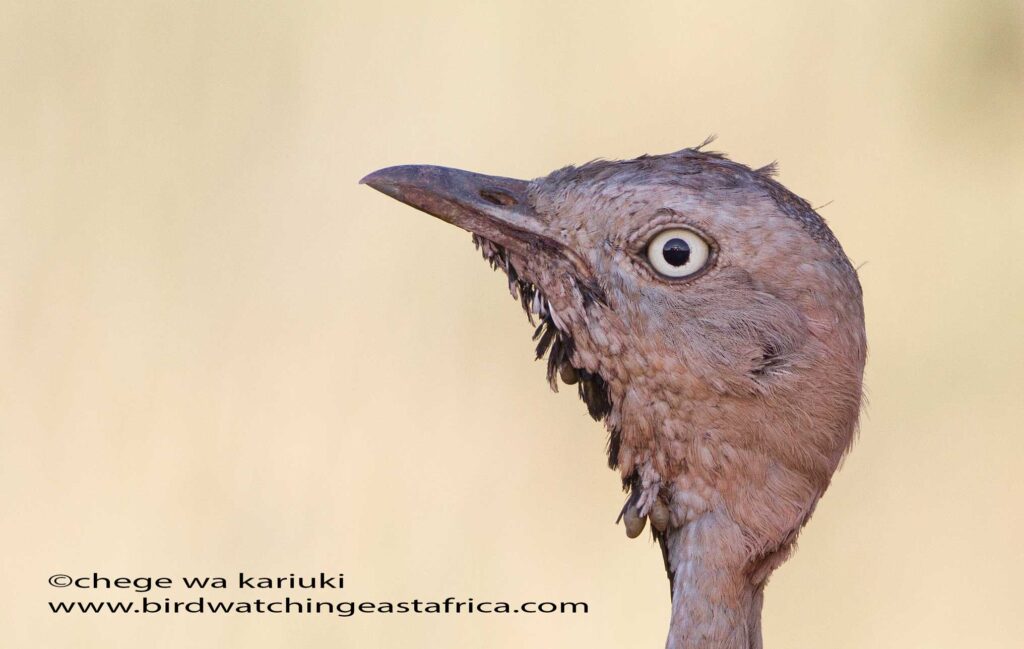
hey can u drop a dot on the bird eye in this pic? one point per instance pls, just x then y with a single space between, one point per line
678 252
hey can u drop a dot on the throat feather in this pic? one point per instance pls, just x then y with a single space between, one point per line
555 341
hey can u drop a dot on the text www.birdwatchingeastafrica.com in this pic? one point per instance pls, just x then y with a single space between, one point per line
449 606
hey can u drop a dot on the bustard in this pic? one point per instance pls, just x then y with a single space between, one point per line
711 319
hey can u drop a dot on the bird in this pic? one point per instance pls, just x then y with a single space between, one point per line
711 319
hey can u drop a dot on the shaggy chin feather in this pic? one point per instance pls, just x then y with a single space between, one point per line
557 342
554 340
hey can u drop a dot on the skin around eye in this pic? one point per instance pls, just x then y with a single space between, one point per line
678 252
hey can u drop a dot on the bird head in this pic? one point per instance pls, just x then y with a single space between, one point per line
708 315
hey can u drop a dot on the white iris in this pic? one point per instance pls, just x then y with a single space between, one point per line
678 252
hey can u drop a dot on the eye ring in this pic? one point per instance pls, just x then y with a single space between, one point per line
677 253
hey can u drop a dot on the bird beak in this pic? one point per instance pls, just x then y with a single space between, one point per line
495 208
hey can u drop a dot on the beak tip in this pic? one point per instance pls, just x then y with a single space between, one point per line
369 178
391 180
380 182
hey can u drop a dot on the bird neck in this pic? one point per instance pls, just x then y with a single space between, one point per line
713 602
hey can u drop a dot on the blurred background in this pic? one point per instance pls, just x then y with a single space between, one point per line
220 353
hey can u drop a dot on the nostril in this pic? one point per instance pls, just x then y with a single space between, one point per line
498 197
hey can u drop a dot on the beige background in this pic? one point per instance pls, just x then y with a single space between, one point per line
219 353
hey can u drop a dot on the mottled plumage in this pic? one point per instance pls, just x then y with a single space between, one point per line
730 395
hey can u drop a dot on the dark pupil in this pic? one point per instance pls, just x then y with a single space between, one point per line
676 252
